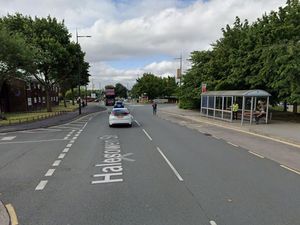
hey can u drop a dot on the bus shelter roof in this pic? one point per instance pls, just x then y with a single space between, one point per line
246 93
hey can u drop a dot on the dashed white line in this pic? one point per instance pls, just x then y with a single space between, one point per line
76 135
212 222
258 155
8 138
147 135
72 141
232 144
41 185
66 150
65 138
49 173
290 169
56 163
170 164
61 156
69 145
38 141
74 138
137 123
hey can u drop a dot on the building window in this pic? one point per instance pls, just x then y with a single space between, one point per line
35 100
44 99
28 86
29 101
40 100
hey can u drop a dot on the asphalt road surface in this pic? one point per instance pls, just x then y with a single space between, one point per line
154 173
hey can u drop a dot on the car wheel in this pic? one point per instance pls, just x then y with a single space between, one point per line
130 125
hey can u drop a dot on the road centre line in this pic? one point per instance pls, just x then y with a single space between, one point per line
290 169
258 155
12 214
147 135
137 123
66 150
61 156
233 144
37 141
56 163
49 173
170 164
41 185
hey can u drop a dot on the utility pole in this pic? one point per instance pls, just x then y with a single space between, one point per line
79 76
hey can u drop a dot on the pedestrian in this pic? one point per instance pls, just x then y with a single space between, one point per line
154 107
261 111
235 109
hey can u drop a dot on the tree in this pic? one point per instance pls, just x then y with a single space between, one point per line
263 55
17 58
121 91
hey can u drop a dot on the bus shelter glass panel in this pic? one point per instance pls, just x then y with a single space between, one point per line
211 105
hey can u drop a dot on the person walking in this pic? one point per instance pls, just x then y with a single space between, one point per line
154 107
235 109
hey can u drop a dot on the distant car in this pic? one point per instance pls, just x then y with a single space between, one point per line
119 104
120 116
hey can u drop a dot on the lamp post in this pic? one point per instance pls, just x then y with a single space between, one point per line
80 36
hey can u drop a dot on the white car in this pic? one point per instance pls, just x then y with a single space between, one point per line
120 116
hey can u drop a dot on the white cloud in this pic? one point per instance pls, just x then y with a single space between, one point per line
104 74
129 29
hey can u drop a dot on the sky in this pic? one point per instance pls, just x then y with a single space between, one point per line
132 37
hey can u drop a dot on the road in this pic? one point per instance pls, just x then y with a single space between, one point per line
154 173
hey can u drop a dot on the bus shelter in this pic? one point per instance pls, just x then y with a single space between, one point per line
219 104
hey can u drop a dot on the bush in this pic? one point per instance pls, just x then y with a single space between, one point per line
189 103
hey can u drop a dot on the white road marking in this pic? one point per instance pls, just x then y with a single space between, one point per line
258 155
76 135
147 135
61 156
66 150
108 164
74 138
65 138
137 123
24 142
212 222
56 163
9 138
72 141
170 164
290 169
216 137
233 144
2 134
41 185
49 173
69 145
84 125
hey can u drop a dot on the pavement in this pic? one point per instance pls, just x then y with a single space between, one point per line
281 130
161 171
63 118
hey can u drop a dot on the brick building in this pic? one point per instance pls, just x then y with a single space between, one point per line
21 96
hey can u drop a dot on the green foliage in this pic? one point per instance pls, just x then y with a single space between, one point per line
263 55
121 91
47 41
154 86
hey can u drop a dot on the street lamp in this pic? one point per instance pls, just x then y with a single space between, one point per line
80 36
